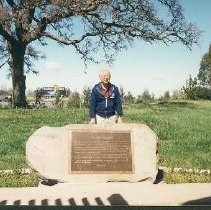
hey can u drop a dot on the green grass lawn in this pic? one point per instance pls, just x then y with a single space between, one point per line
183 129
19 180
17 126
32 180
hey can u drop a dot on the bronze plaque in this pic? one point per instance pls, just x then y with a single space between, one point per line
101 151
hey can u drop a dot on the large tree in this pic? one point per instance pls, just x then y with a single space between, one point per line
204 74
86 25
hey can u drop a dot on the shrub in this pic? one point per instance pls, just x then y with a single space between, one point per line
74 100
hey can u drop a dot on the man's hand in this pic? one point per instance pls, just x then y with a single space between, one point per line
119 120
92 121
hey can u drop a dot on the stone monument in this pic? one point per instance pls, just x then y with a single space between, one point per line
94 153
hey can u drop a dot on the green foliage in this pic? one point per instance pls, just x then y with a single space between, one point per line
166 96
86 94
138 99
190 88
178 95
193 90
147 97
129 98
204 74
122 94
59 99
202 93
74 100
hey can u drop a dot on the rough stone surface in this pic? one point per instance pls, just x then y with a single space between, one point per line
48 152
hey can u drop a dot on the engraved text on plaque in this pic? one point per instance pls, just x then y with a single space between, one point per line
101 151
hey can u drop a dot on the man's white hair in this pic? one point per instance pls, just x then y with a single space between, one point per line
103 71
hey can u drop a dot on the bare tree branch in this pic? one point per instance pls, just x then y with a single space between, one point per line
67 42
11 3
5 62
96 29
6 35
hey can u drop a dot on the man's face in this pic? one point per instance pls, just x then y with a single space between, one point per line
105 77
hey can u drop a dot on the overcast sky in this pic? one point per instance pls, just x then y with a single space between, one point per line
155 67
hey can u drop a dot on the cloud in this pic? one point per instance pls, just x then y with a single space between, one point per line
52 65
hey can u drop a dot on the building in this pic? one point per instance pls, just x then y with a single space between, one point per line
52 91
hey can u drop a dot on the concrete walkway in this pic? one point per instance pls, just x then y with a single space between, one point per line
138 194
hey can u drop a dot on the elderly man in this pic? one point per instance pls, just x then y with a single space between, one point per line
105 102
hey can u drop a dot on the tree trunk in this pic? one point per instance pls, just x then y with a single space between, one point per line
18 78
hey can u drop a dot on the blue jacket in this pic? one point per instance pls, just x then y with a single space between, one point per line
102 106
